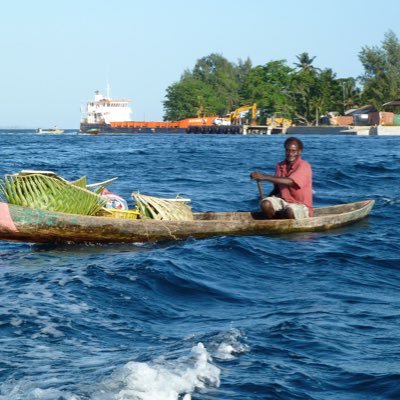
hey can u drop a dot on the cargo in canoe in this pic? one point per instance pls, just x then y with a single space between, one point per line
37 226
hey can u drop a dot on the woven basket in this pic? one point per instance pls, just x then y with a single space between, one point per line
114 213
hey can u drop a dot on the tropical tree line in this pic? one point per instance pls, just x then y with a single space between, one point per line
216 86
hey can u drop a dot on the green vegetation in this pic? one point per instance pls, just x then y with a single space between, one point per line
216 86
381 80
50 192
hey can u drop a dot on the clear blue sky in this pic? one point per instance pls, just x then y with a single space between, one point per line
55 54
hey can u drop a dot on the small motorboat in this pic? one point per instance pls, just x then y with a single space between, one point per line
50 130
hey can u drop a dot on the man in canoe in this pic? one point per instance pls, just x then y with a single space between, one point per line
291 196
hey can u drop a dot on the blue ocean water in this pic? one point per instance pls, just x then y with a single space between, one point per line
304 316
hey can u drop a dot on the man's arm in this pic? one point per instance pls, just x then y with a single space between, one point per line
259 176
275 191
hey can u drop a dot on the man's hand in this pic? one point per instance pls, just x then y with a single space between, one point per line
257 176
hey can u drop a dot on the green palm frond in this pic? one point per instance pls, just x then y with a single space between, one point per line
50 193
81 182
163 209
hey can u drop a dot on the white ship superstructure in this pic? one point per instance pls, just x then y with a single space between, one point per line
104 110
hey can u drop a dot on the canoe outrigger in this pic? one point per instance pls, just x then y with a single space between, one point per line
25 224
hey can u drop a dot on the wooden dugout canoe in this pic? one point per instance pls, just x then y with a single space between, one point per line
37 226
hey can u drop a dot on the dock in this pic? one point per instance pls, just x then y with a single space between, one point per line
362 130
236 129
359 130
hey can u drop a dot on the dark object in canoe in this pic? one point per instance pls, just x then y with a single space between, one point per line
37 226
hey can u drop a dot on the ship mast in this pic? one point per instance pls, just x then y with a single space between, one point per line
108 91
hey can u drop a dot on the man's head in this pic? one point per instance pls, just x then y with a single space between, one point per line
293 149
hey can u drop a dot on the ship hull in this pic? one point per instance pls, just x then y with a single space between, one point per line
107 128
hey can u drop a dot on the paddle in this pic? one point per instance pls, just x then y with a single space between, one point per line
260 189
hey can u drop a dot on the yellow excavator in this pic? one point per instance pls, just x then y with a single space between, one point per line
235 117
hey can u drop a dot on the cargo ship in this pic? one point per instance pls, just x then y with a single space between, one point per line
106 115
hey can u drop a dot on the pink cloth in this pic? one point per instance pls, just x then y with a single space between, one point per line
6 222
301 175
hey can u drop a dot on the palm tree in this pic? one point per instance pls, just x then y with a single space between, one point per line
305 62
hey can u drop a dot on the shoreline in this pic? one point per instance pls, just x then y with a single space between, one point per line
359 130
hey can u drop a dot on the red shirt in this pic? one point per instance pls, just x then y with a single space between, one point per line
301 174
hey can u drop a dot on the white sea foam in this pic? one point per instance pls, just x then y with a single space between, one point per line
162 380
77 308
63 279
225 351
28 390
391 201
16 321
50 329
229 345
41 352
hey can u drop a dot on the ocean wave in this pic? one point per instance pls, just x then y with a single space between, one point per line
158 379
161 379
